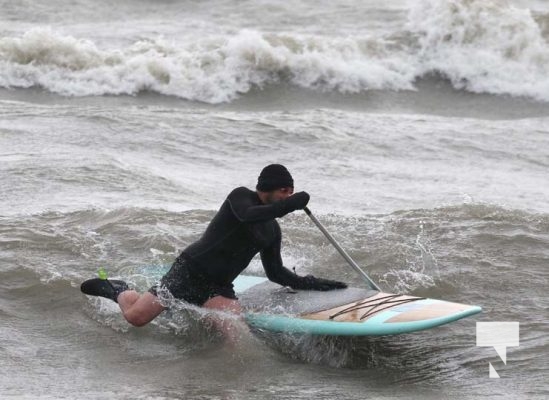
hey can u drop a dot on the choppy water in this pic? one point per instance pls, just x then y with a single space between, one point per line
420 129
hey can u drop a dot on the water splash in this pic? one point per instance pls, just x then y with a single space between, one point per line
333 351
421 271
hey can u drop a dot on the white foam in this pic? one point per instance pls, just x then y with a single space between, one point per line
214 69
484 46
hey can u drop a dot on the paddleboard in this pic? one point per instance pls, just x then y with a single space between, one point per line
345 312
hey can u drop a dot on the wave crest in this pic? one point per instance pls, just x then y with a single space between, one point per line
480 46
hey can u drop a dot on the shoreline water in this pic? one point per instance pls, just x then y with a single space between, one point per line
383 113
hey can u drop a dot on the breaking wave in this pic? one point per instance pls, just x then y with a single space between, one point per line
479 46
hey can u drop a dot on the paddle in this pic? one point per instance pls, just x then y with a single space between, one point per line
347 258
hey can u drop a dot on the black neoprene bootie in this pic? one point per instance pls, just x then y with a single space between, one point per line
107 288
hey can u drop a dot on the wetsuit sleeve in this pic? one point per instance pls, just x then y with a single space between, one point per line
272 263
276 272
245 210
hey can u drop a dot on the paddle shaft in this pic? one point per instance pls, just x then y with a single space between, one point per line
346 256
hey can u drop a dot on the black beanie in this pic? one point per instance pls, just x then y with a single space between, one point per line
274 176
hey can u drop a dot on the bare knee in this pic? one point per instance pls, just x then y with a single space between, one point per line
224 304
144 310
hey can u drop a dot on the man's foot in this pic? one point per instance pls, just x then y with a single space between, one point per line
109 289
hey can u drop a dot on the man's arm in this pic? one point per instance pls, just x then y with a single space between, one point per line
276 272
246 211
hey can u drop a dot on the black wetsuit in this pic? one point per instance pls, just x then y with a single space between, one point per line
242 227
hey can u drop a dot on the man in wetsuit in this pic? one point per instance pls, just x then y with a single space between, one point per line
203 273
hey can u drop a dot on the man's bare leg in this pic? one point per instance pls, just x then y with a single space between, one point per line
224 304
226 325
139 309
